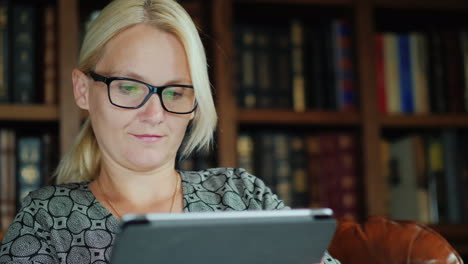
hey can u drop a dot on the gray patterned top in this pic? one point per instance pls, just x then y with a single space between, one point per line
66 224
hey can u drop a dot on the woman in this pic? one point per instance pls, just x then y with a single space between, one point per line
124 158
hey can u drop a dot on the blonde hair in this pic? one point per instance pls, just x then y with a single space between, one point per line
82 162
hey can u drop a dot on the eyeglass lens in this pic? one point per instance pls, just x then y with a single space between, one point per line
128 93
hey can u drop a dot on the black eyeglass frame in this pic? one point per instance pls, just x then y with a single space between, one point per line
152 90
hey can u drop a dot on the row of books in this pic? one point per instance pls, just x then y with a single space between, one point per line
422 72
28 59
428 177
317 170
300 66
26 163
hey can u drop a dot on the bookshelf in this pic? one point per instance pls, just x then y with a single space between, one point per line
370 123
217 23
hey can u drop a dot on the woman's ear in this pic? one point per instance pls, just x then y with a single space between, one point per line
80 88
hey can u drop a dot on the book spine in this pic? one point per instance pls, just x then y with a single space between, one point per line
246 67
406 87
300 182
328 179
404 202
316 191
282 68
436 178
49 59
344 68
24 55
264 157
380 74
452 173
7 178
282 167
263 68
437 82
392 79
453 64
315 77
464 48
297 52
245 152
418 52
29 158
329 66
347 175
4 59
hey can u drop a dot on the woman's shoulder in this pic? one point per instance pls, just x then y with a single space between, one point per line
234 188
59 196
76 190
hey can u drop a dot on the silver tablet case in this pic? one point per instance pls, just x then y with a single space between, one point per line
273 237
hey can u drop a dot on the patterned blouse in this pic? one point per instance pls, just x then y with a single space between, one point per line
66 224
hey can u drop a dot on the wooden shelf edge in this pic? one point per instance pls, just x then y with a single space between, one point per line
423 4
423 121
29 112
315 2
301 118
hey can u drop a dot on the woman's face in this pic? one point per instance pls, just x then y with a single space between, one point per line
146 138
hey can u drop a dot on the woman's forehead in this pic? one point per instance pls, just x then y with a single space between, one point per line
144 51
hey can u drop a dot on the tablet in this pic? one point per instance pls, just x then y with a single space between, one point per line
298 236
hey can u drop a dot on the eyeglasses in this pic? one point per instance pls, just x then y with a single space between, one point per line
132 94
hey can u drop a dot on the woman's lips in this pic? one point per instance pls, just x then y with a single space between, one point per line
149 138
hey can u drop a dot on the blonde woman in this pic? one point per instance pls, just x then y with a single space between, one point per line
142 76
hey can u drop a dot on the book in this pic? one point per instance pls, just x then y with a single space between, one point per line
281 68
436 180
4 58
437 82
343 64
49 56
453 65
264 157
380 73
282 167
392 76
246 75
263 70
314 67
300 181
346 170
23 59
7 177
29 159
297 57
404 67
452 174
419 71
464 48
407 200
316 192
245 152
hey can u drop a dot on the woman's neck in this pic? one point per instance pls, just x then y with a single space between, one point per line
139 192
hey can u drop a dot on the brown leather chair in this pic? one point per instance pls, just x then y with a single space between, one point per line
382 240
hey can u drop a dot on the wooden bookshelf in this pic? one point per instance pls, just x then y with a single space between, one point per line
29 112
370 123
285 117
424 121
423 4
319 2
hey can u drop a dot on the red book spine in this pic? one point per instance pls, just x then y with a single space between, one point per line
380 74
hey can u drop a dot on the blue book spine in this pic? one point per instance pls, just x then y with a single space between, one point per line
406 81
29 159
